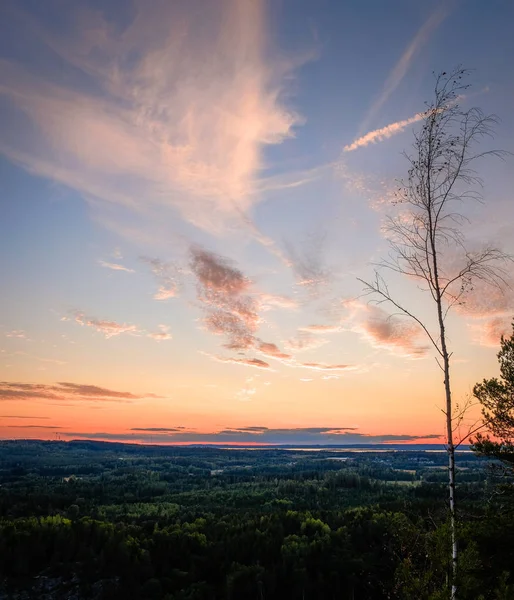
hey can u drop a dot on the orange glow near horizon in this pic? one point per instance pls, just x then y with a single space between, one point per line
192 199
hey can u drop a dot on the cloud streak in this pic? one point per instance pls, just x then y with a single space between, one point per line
115 266
107 328
21 417
273 350
489 331
167 275
304 341
65 391
318 329
17 333
378 135
489 311
308 263
399 336
158 429
248 362
161 335
34 427
272 301
324 367
403 65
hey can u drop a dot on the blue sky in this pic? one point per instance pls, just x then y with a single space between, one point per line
154 151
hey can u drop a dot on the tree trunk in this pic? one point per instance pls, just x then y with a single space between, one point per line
451 475
451 452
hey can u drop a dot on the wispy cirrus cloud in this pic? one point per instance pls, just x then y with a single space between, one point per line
271 301
44 359
161 335
158 429
400 336
320 329
248 362
168 277
246 393
18 334
65 391
232 305
232 310
328 367
308 263
35 427
273 350
488 331
31 417
114 266
224 295
401 68
303 341
110 328
378 135
487 301
163 112
107 328
489 311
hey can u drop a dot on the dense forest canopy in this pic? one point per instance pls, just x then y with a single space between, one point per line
104 520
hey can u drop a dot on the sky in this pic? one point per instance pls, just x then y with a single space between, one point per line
190 192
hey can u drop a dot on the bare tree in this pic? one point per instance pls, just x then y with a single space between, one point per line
426 235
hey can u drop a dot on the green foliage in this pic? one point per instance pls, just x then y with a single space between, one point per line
181 523
497 399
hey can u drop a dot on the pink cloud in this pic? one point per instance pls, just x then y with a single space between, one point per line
304 341
216 274
321 328
108 328
307 261
324 367
185 109
167 275
273 350
270 301
247 393
164 293
248 362
222 290
64 391
489 311
383 133
489 331
400 336
161 335
17 333
114 266
231 307
486 301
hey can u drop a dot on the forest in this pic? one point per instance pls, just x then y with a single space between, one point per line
88 519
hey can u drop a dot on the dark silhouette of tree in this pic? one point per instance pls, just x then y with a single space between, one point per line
426 235
497 399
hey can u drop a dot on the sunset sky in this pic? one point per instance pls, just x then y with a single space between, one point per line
189 191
